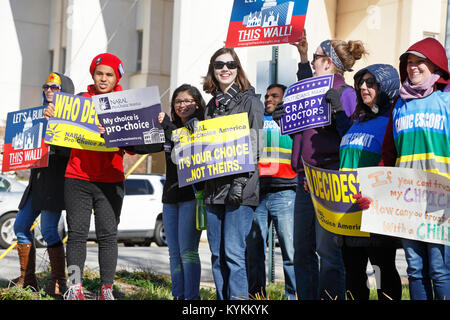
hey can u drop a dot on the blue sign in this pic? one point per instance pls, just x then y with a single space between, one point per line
305 106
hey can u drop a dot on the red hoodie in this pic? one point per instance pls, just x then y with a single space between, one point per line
435 52
96 166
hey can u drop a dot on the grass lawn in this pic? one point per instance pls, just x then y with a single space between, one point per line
138 285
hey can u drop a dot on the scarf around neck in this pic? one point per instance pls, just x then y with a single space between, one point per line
409 91
224 98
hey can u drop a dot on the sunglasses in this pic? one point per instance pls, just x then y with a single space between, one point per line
218 65
53 87
186 101
317 56
370 82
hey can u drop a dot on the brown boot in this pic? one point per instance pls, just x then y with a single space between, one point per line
57 284
27 258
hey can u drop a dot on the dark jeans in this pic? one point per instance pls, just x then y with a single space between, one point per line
105 199
386 275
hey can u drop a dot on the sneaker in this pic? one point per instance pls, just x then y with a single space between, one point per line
106 292
75 292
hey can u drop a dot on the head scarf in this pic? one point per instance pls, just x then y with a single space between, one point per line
330 52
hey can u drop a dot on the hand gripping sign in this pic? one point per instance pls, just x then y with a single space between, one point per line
130 117
218 147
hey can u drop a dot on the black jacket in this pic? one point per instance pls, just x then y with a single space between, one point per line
216 190
46 185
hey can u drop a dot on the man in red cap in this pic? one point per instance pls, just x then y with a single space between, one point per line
94 181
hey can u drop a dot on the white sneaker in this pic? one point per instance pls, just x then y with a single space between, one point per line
75 292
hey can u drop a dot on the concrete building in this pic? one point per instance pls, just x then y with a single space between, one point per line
169 42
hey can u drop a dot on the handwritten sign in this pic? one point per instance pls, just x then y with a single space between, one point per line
130 117
331 194
24 146
218 147
256 23
305 106
406 203
74 124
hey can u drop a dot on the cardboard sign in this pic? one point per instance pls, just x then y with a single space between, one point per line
269 22
406 203
305 106
331 193
218 147
130 117
74 124
24 146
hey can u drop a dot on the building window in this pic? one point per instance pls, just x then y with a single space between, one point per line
51 56
63 60
139 51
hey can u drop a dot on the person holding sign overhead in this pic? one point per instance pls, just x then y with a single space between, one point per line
94 181
44 195
417 136
179 203
320 147
376 88
231 200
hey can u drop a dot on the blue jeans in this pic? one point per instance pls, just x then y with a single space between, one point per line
183 239
227 229
318 263
280 207
49 224
427 263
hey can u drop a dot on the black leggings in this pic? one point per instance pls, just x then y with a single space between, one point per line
386 274
106 200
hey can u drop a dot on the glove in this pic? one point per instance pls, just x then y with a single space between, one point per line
333 98
278 113
236 191
191 124
363 202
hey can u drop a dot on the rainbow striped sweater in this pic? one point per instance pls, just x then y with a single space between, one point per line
421 131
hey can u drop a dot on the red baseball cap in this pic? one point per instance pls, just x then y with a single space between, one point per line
109 60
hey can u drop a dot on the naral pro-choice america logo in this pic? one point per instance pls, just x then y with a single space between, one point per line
104 104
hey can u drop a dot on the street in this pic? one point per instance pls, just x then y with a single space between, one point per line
156 259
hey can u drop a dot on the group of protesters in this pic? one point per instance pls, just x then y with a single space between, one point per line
317 264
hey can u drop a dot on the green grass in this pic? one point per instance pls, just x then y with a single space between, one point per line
140 284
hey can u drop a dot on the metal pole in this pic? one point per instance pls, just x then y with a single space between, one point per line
271 273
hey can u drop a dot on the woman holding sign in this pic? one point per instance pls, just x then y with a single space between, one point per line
231 200
320 147
179 204
376 88
44 195
422 143
94 181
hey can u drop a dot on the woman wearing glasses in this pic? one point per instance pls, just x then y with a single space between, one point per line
231 200
376 88
44 195
179 204
320 147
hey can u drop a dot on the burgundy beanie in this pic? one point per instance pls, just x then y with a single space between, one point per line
109 60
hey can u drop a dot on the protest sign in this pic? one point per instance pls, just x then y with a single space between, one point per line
406 203
24 146
270 22
305 106
218 147
74 124
331 193
130 117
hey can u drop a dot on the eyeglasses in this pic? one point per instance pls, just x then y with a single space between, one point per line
316 56
53 87
370 82
218 65
186 101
